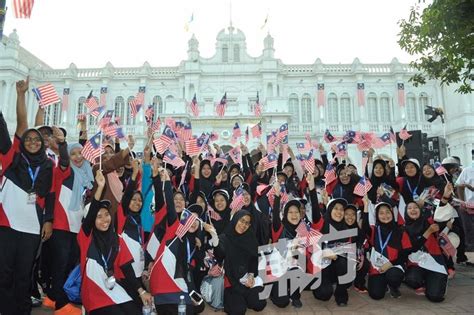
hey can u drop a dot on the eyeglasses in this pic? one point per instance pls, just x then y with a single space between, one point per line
32 139
244 222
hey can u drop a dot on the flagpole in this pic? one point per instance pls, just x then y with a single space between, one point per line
100 156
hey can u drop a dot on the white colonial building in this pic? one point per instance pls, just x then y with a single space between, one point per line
288 92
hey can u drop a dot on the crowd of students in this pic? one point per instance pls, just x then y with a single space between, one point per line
119 220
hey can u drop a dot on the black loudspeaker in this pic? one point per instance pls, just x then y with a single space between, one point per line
416 146
437 150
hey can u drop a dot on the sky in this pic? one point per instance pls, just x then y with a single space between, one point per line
127 33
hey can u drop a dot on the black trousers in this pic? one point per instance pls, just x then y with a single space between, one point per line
435 283
361 274
132 292
172 309
378 283
128 308
284 300
65 253
330 275
237 303
17 254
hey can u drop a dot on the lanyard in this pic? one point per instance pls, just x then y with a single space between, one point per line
106 261
30 172
384 245
139 230
190 253
413 191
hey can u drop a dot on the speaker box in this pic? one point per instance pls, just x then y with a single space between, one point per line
416 146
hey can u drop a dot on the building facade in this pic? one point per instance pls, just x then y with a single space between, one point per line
289 94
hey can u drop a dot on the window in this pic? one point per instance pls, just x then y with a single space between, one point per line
306 108
119 107
346 115
293 107
411 107
81 108
251 104
130 120
384 107
92 119
333 114
52 115
157 105
372 107
236 53
225 53
269 90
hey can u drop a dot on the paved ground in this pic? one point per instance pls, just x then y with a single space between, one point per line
459 300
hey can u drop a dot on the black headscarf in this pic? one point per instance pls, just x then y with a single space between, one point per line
25 159
205 184
225 214
106 241
290 229
386 228
436 181
345 191
413 182
377 181
328 221
131 225
415 228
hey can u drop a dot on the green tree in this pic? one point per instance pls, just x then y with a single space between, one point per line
441 37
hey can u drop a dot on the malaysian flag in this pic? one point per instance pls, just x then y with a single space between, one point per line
194 106
65 102
362 187
446 245
93 106
440 170
269 161
258 107
171 158
46 95
351 136
401 94
213 214
256 130
106 119
403 134
191 147
330 174
282 133
149 114
93 148
284 197
186 221
321 96
360 94
328 137
137 103
308 163
114 131
103 96
341 149
165 140
303 147
237 200
310 236
220 108
23 8
271 142
155 127
236 133
187 132
386 138
236 155
170 122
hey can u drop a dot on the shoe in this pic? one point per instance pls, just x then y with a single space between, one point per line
35 302
420 291
451 273
297 303
395 293
361 289
68 309
47 302
461 260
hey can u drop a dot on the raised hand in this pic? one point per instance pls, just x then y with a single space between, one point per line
100 179
22 86
58 135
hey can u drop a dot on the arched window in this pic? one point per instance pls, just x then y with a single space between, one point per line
306 108
333 111
130 120
225 53
411 107
384 107
346 114
81 108
293 106
119 108
52 115
191 91
158 104
372 107
92 119
422 105
236 53
269 90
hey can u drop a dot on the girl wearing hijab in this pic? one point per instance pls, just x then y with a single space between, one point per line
26 211
343 187
106 262
409 184
74 178
238 248
426 267
220 204
390 247
380 178
261 220
171 272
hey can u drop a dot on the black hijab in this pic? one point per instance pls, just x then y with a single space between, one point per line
133 218
436 181
412 182
328 221
225 214
106 242
290 229
345 191
25 160
386 229
205 184
415 228
377 181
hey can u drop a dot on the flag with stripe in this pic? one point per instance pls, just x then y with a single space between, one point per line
46 95
321 95
282 133
341 149
236 155
440 170
328 137
165 140
269 161
236 132
213 214
115 131
258 107
237 200
360 94
186 221
93 148
194 106
404 134
362 187
256 130
106 119
149 114
220 108
22 8
401 94
65 102
137 103
330 174
103 96
171 158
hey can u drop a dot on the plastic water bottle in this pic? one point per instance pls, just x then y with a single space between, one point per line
181 306
147 310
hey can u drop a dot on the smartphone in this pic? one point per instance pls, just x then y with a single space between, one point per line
196 297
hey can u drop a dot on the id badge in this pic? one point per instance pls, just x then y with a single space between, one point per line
416 197
31 199
379 261
142 254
